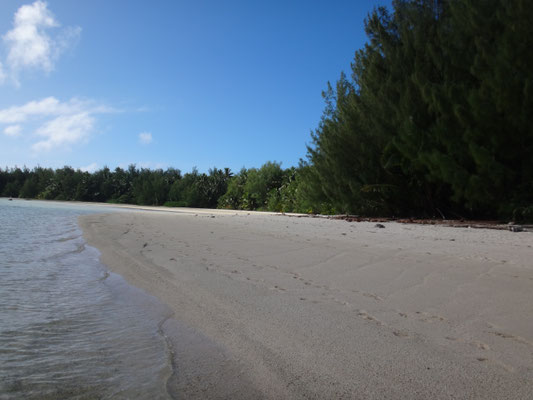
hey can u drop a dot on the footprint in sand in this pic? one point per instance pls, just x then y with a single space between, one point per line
475 343
372 295
368 317
430 318
503 335
401 334
480 345
341 302
516 338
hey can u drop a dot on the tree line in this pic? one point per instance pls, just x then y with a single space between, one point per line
269 188
433 121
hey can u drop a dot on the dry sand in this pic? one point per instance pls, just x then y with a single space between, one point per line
279 307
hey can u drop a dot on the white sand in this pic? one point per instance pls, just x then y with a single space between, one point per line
314 308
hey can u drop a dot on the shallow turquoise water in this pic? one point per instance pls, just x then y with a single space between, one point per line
68 328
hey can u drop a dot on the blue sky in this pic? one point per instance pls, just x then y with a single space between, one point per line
169 83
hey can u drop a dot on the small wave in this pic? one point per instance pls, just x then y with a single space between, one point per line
80 248
66 239
170 385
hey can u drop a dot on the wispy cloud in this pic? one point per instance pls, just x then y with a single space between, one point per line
59 124
29 45
12 130
64 130
145 138
50 106
2 74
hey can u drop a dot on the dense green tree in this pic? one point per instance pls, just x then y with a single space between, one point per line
11 189
435 120
30 188
233 198
212 186
260 183
252 189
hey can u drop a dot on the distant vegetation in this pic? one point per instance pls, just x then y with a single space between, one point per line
267 188
435 120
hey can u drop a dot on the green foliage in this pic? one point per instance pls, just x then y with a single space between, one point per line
523 214
436 118
152 187
11 189
187 190
234 197
253 189
30 188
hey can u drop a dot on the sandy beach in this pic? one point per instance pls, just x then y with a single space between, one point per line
280 307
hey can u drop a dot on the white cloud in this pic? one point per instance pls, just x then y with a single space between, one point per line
2 74
58 124
90 168
12 130
50 106
64 130
145 138
29 45
44 107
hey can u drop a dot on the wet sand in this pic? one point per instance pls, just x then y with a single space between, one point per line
282 307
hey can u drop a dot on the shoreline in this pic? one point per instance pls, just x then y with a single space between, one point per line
452 223
320 308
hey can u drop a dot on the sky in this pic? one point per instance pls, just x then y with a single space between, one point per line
94 83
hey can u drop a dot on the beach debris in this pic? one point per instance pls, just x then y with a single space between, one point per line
379 226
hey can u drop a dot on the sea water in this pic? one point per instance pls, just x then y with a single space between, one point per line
70 329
